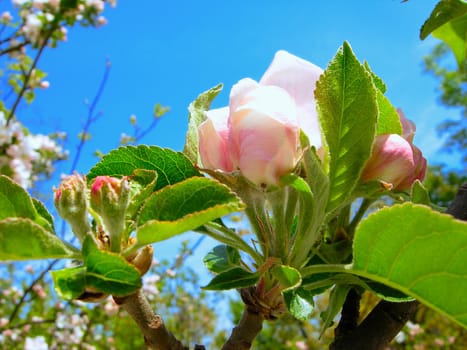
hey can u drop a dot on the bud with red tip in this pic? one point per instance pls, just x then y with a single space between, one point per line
110 197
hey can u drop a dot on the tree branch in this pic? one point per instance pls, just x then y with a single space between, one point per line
387 319
249 326
156 336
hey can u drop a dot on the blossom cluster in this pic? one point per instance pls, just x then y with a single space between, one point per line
40 19
25 157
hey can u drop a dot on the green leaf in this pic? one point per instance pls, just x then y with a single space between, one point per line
299 303
386 293
388 118
420 194
142 187
288 277
182 207
108 272
379 83
222 258
454 35
69 283
15 202
234 278
44 213
23 239
196 116
418 251
444 12
313 199
336 301
171 166
347 108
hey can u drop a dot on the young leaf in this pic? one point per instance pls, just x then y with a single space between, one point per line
234 278
347 107
314 203
388 118
419 194
418 251
453 35
336 301
299 303
288 277
171 166
15 202
44 213
69 283
109 272
195 118
23 239
444 12
222 258
182 207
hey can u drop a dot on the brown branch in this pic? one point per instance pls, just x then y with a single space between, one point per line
156 336
387 319
249 326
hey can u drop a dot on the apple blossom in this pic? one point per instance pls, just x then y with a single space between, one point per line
258 133
395 160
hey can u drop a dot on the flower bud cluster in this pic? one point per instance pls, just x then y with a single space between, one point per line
108 198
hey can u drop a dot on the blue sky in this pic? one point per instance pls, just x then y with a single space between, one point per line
170 51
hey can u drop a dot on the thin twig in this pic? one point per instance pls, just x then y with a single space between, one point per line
29 74
91 117
28 290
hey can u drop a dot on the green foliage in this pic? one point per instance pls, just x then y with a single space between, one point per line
233 278
421 253
347 107
15 202
222 258
108 272
196 116
23 239
288 277
448 22
170 166
299 303
184 206
70 283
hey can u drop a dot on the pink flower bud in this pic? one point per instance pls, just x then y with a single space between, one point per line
395 160
110 197
70 201
258 134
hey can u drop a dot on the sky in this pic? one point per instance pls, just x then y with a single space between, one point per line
171 51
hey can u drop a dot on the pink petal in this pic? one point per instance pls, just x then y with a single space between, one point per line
264 135
408 126
298 77
213 145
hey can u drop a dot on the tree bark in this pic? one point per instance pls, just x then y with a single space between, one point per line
156 336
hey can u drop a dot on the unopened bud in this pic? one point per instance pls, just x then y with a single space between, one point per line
143 259
70 201
110 197
44 84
